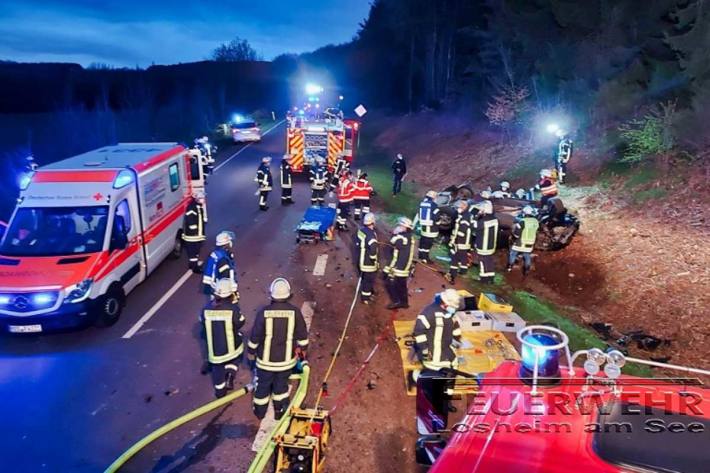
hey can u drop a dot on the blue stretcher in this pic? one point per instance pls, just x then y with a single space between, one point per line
318 224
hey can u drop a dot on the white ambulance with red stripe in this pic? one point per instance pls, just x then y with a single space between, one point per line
89 229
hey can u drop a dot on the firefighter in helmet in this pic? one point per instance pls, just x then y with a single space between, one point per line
460 242
286 172
564 154
222 320
278 339
265 182
368 263
523 238
486 241
193 233
547 186
361 196
435 331
220 264
318 178
398 270
427 217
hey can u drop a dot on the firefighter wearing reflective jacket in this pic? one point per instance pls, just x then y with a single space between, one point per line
400 266
318 180
345 198
564 154
278 339
436 331
368 264
265 182
547 186
341 165
427 218
361 196
486 241
220 264
523 239
222 320
286 180
460 242
193 233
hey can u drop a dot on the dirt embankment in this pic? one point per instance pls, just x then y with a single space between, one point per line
640 261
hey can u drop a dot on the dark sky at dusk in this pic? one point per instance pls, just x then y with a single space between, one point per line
140 32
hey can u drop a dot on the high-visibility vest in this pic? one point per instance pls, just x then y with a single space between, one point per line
368 246
223 344
363 189
486 235
525 242
194 230
402 255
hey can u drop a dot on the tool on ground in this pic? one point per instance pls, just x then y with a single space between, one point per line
302 448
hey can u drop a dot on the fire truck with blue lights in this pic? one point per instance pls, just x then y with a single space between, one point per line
547 414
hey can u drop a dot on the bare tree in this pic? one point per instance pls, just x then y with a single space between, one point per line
236 50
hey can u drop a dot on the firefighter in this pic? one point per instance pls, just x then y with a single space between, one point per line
399 170
193 233
437 330
564 154
523 235
341 165
397 272
361 196
286 180
222 319
318 180
486 241
278 339
345 198
427 218
504 191
460 242
265 182
368 263
547 186
220 264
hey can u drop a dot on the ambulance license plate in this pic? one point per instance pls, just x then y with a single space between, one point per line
25 328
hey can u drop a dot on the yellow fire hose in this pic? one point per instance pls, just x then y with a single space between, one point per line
261 460
145 441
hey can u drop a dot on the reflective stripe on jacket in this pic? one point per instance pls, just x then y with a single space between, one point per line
434 333
367 250
219 265
548 187
427 217
222 324
194 224
345 191
318 178
524 234
461 235
402 255
486 235
263 178
363 189
286 175
278 329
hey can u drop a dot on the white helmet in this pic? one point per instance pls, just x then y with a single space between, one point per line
505 185
320 160
198 195
527 210
405 222
432 194
545 173
520 193
368 219
451 298
224 238
224 288
280 289
266 159
286 156
485 194
486 207
399 156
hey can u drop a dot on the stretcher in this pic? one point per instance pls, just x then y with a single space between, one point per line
317 224
482 352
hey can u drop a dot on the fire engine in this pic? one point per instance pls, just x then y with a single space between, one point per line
88 229
308 138
542 415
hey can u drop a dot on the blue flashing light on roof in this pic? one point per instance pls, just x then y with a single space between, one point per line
24 180
301 112
237 118
548 361
124 178
313 89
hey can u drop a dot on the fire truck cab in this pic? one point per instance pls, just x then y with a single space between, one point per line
308 138
87 230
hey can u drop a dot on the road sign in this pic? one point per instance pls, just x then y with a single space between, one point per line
360 110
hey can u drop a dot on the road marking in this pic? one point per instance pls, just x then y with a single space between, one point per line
307 311
187 275
319 268
156 307
224 163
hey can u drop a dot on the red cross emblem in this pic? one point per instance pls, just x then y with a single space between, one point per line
98 196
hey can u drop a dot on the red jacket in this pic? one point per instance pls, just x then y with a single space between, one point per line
548 186
362 190
345 191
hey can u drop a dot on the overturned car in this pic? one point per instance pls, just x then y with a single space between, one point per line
557 225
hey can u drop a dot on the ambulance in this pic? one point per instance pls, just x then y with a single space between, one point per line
87 230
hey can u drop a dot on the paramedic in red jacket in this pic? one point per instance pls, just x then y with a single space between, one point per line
361 196
345 198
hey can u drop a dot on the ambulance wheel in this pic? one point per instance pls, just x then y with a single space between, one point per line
177 248
110 307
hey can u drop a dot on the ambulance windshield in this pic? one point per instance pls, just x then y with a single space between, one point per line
55 231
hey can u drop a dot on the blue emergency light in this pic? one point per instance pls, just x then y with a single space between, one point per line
536 351
24 180
124 178
237 118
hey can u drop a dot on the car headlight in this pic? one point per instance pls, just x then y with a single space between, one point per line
78 292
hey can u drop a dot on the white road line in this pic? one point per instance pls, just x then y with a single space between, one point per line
156 307
319 268
307 311
223 163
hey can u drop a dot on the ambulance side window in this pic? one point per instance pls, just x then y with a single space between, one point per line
174 173
194 168
123 210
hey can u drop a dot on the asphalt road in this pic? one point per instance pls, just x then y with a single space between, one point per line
75 401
